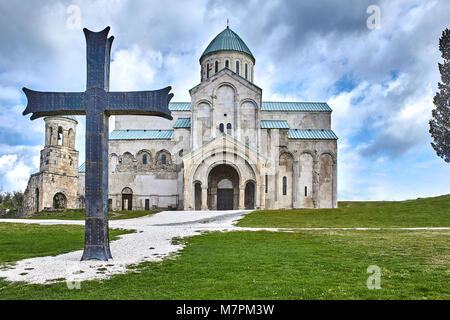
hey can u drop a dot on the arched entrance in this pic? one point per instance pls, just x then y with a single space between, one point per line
249 195
223 188
198 195
127 199
59 201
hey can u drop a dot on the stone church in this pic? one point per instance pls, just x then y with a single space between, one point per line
225 149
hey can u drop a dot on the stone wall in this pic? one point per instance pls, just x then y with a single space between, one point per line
312 181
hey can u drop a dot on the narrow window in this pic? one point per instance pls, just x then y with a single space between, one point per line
284 186
229 128
144 159
306 191
237 67
227 63
246 71
60 136
207 70
267 183
163 159
50 142
217 67
221 129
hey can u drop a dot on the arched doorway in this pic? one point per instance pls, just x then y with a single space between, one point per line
59 201
127 199
223 188
198 195
225 195
249 195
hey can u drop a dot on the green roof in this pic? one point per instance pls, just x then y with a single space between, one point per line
269 106
179 106
295 106
182 123
312 134
227 40
274 124
141 135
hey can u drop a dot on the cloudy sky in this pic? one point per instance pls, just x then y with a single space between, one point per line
379 82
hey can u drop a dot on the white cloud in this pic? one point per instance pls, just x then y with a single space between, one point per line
133 69
302 50
14 174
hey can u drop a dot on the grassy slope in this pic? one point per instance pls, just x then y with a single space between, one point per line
428 212
265 265
20 241
79 214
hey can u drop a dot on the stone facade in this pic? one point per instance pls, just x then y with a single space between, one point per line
55 185
225 149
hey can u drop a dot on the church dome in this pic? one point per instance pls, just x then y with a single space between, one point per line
227 40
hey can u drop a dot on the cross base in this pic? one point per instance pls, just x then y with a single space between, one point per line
96 252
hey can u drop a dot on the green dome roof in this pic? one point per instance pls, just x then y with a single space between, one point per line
227 40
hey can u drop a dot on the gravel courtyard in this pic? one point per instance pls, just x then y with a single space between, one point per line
152 241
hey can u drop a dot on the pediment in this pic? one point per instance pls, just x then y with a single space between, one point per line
228 145
226 75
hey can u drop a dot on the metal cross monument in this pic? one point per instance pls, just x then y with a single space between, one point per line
98 103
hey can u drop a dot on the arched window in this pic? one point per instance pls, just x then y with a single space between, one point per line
267 183
221 128
284 186
229 128
37 199
60 136
50 139
227 63
144 159
237 67
216 68
306 191
207 70
246 71
163 159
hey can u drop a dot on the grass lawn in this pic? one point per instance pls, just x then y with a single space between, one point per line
79 214
427 212
20 241
276 265
303 264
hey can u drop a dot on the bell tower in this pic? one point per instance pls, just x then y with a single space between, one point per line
54 187
59 155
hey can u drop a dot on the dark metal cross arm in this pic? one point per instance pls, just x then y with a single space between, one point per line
53 103
150 103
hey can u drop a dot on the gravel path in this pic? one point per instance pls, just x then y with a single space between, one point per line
152 241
